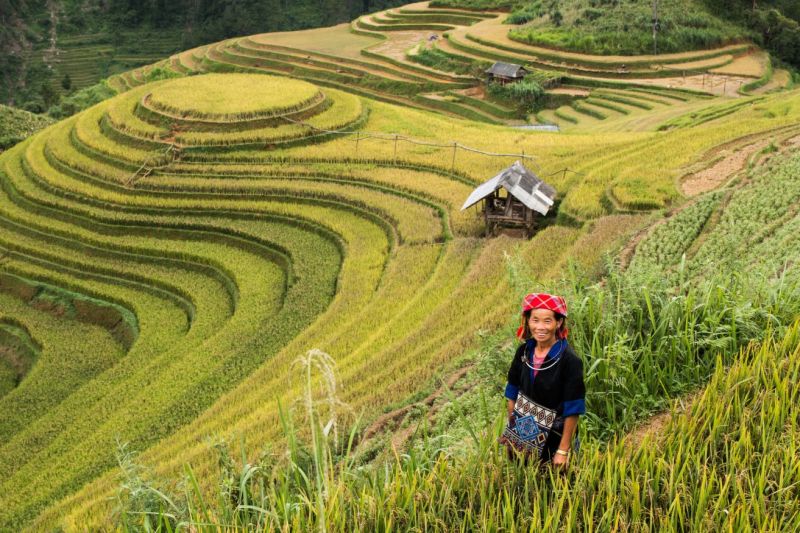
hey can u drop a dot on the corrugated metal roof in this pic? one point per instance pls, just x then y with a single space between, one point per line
508 70
522 184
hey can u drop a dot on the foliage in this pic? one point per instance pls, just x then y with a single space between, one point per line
17 124
136 33
668 241
81 100
622 28
440 60
526 13
527 94
687 466
759 219
142 504
160 73
780 34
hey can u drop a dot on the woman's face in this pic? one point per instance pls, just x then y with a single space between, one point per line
543 325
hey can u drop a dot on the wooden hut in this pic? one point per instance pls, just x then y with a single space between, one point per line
505 73
526 197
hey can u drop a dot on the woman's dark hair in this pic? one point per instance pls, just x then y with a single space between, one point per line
526 330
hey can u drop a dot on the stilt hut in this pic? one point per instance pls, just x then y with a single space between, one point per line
503 73
514 198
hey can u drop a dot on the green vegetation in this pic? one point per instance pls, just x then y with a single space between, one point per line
616 28
669 241
527 94
81 100
16 125
96 39
646 337
435 58
168 253
530 11
692 467
625 27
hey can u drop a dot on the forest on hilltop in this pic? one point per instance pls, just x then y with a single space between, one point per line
27 27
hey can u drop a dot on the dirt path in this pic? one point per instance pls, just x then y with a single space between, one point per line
571 91
392 419
50 54
398 42
723 170
732 163
654 426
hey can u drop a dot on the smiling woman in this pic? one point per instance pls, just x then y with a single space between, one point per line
545 389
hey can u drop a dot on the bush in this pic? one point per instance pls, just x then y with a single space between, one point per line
527 94
780 34
609 28
440 60
525 13
160 73
81 100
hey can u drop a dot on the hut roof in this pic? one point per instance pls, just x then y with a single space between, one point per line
507 70
522 184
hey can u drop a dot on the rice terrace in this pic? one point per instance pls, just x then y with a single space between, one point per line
238 290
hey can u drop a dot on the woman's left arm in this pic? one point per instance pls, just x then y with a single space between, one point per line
570 423
574 405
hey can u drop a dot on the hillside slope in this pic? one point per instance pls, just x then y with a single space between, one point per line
239 204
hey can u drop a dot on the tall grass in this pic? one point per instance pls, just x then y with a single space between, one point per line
727 461
643 339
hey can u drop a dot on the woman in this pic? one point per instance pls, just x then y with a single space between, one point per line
545 389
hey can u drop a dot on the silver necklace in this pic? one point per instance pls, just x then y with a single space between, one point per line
553 362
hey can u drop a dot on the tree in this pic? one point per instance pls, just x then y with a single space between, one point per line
66 82
48 95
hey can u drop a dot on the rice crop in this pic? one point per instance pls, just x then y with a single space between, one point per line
220 222
232 97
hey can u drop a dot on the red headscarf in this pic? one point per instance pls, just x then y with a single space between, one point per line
543 300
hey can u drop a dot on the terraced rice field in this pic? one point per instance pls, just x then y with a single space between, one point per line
370 57
199 233
208 249
197 264
88 58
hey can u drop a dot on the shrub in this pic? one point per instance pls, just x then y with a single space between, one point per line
81 100
527 94
526 13
780 34
440 60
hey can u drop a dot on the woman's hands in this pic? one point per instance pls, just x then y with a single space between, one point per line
561 458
